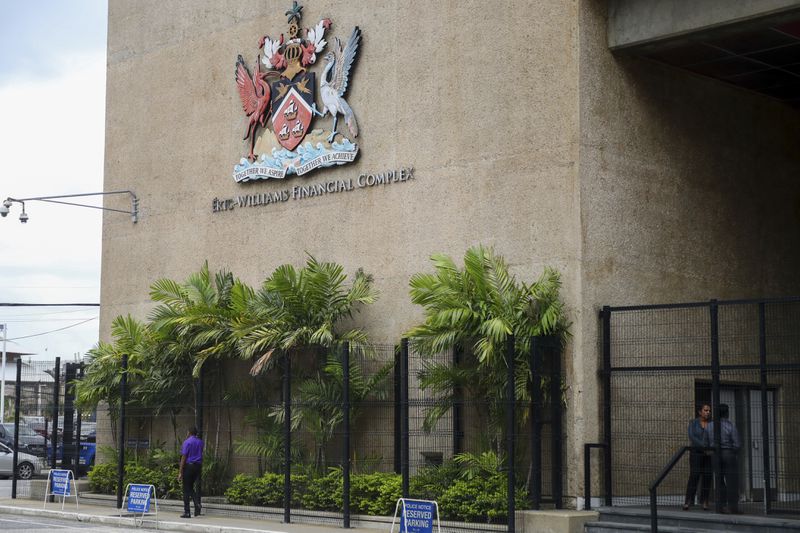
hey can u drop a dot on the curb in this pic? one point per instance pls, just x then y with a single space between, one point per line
85 518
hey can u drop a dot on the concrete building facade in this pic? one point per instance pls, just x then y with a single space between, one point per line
639 181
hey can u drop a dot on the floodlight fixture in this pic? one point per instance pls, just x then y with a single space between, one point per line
57 199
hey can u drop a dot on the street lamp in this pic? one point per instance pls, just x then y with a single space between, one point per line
5 208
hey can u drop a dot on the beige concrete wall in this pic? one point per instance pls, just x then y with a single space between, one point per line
639 183
482 103
688 192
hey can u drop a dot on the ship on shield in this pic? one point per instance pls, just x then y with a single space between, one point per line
288 103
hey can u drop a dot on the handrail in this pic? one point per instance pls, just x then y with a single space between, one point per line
587 473
663 474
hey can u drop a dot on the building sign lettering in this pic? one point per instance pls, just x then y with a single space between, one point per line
300 192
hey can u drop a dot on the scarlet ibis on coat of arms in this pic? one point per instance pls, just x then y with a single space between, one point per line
282 91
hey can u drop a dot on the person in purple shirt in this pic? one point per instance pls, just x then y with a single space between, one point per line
189 473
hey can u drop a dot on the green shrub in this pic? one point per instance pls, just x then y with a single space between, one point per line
324 493
242 490
430 482
103 478
375 494
479 499
266 490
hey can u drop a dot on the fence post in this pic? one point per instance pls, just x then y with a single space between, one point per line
398 414
123 397
762 352
68 459
287 437
510 425
556 427
535 490
587 477
200 401
78 425
714 324
404 466
17 394
607 466
458 405
56 397
346 423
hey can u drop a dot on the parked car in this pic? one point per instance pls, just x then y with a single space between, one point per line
27 465
29 441
85 456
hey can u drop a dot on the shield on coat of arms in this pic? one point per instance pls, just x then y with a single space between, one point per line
292 104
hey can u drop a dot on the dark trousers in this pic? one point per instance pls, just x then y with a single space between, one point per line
729 493
191 474
699 472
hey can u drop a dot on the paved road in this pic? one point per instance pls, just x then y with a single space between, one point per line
34 524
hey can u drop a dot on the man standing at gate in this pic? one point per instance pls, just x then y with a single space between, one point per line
189 473
729 450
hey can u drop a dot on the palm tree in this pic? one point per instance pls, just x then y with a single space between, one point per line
199 314
196 319
298 311
102 378
320 399
477 308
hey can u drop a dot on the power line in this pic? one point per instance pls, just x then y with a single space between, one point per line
45 313
17 304
53 331
23 321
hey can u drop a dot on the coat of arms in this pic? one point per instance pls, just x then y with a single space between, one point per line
282 96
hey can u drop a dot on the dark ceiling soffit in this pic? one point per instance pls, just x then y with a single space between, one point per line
709 32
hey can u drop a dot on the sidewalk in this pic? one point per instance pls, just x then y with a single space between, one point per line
167 520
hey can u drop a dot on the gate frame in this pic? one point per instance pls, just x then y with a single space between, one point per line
715 369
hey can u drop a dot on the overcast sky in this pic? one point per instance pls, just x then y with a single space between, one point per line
52 108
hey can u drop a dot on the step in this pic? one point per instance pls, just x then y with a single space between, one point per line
699 520
613 527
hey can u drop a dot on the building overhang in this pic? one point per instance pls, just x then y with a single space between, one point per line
754 45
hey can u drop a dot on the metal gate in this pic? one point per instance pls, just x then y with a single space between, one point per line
659 361
46 430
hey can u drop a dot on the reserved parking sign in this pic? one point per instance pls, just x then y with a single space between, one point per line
59 482
417 516
139 498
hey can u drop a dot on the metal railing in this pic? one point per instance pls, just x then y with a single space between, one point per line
653 488
587 475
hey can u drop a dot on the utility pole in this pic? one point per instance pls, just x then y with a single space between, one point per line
3 378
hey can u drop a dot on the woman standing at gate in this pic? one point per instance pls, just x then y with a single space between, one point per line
699 462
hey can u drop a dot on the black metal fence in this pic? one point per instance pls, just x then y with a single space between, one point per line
46 430
336 436
661 361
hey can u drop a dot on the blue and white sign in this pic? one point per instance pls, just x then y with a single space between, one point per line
139 498
60 482
416 516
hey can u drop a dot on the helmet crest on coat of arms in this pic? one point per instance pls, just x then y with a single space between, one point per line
281 93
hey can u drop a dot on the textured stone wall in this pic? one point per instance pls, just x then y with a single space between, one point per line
639 183
688 191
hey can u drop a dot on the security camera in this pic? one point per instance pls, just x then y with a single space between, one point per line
3 211
23 217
